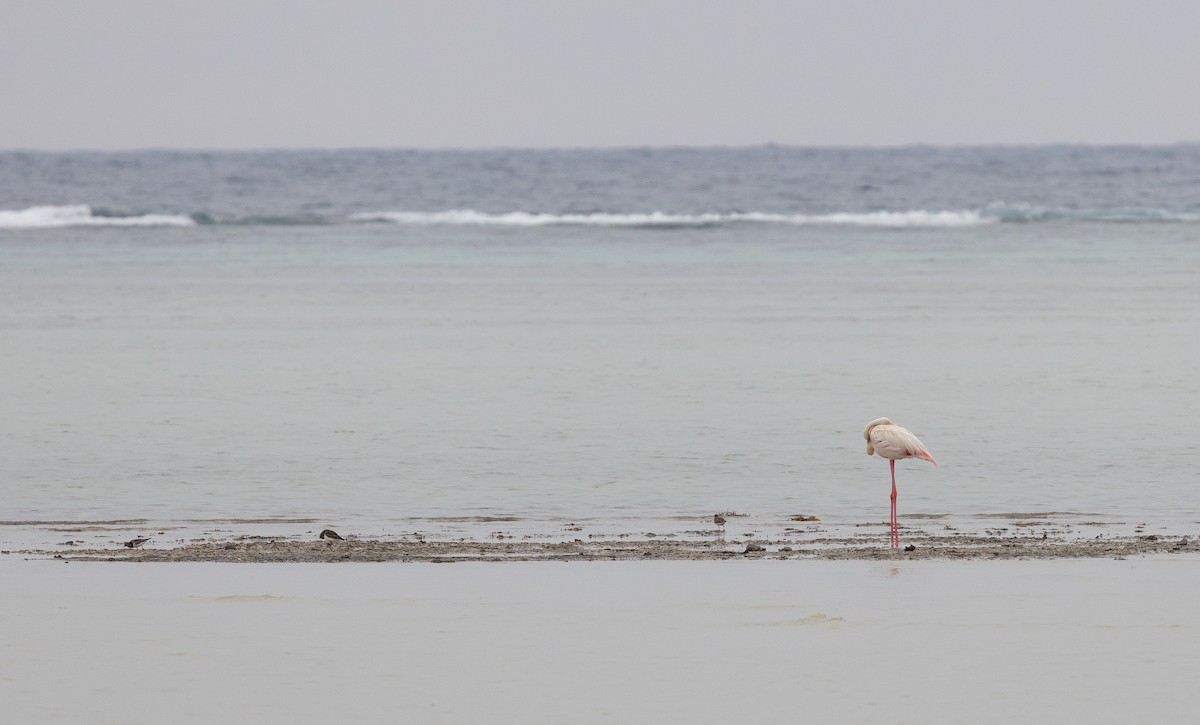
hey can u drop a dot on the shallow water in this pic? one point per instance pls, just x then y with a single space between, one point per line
909 642
373 376
633 338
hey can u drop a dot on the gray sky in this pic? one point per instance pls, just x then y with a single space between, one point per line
538 73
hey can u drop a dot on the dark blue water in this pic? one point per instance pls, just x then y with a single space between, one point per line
297 187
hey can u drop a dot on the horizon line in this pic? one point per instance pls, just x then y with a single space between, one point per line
628 147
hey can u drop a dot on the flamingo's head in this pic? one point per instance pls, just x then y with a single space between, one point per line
867 432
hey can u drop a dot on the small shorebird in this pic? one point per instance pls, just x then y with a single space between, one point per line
331 535
136 543
719 520
893 443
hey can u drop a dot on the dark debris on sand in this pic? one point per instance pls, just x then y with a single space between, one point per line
849 549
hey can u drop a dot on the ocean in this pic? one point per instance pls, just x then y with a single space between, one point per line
531 343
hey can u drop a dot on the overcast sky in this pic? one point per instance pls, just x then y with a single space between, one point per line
539 73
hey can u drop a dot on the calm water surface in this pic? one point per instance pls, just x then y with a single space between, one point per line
380 373
392 375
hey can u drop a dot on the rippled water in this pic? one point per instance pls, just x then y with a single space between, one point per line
378 375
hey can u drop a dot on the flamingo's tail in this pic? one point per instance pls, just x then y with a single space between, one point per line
925 455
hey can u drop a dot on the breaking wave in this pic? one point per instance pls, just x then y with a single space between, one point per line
916 218
82 215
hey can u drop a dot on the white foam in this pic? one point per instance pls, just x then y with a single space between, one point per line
915 218
525 219
80 215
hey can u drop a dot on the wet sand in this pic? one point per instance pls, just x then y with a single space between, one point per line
860 548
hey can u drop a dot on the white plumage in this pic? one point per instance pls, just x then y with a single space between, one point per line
894 443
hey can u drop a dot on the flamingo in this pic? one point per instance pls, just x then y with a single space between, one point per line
893 442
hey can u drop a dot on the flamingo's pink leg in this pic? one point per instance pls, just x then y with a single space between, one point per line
895 538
